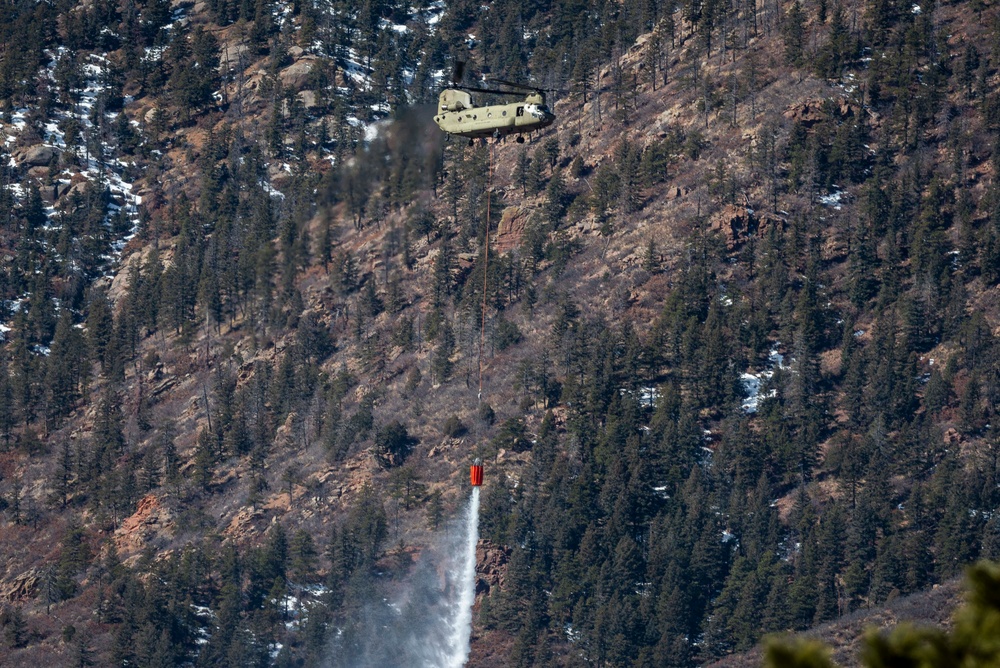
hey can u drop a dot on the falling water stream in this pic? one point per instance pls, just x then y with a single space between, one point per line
460 621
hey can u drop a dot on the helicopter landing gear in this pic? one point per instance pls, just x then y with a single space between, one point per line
520 139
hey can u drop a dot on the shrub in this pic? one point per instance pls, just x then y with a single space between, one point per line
453 427
392 444
487 414
507 334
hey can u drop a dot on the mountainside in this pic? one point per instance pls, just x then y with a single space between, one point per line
739 352
933 608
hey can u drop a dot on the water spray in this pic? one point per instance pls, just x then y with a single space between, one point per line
461 622
426 623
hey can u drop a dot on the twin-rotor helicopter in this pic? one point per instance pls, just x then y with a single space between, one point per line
457 115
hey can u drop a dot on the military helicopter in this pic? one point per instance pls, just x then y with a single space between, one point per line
457 115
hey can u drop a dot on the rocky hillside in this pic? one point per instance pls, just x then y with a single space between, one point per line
738 354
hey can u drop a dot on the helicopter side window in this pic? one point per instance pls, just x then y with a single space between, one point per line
520 111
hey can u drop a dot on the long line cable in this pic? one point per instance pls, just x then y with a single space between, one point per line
486 265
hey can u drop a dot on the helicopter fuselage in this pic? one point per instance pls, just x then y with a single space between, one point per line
457 115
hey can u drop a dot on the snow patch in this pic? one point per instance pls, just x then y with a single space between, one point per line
753 382
832 200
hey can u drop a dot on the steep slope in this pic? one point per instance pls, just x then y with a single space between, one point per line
739 362
934 607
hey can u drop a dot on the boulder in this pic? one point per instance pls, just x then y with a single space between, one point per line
38 156
49 193
79 188
295 75
66 191
231 54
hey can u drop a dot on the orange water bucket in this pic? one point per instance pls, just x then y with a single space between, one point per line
476 474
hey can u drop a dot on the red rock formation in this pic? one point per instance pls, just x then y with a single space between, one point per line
149 519
510 228
491 567
734 222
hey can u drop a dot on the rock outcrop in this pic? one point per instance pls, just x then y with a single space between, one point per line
811 112
149 520
491 567
295 75
511 227
22 587
38 155
737 224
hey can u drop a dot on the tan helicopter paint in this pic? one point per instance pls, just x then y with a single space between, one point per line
457 115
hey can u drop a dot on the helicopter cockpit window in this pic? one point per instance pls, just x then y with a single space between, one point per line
536 110
520 111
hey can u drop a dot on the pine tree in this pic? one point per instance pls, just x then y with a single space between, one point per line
523 173
64 475
204 459
302 556
555 199
793 33
8 417
441 364
66 368
366 527
15 628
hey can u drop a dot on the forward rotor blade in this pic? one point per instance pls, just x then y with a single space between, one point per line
537 89
473 89
512 84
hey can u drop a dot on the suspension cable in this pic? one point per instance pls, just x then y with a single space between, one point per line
486 265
